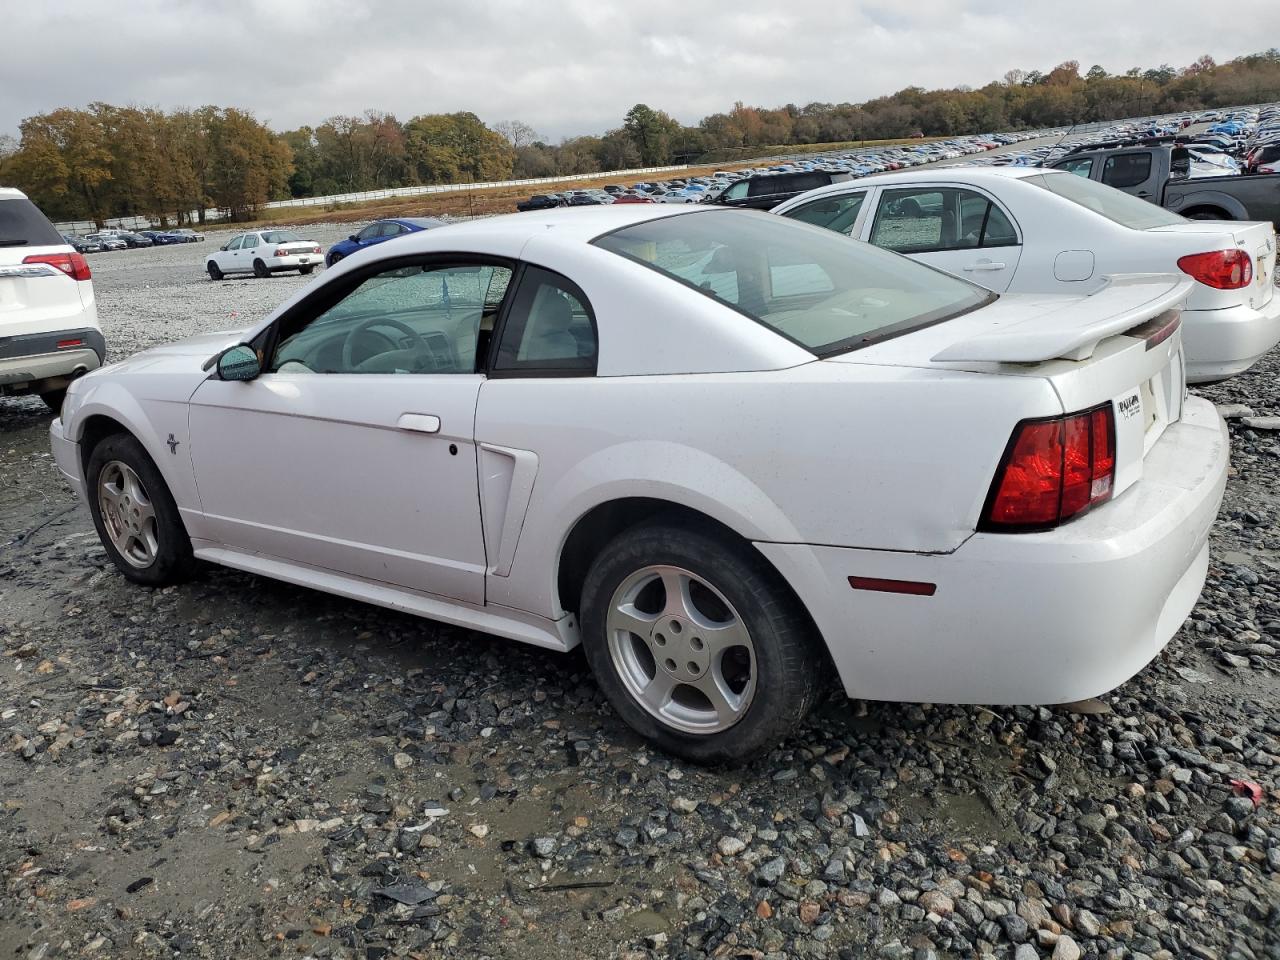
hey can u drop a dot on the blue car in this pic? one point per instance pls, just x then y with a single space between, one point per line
377 232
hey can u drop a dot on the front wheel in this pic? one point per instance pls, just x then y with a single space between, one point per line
135 515
215 272
697 643
260 269
333 258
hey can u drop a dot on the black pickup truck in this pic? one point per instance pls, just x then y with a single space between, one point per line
1161 173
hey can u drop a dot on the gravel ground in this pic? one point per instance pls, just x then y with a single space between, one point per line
241 768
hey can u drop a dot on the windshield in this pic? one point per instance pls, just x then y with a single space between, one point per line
280 236
821 290
1116 205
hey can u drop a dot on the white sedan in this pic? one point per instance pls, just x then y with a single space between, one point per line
730 454
1029 230
264 252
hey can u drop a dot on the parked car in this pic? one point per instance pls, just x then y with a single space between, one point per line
377 232
633 198
107 241
765 191
539 201
1161 174
135 240
262 253
728 453
1030 230
49 332
188 236
82 244
161 238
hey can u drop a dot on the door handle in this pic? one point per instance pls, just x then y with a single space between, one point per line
983 265
419 422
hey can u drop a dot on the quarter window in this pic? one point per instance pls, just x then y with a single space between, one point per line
549 328
1081 168
249 242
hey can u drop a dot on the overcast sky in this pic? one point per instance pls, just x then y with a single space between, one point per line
570 66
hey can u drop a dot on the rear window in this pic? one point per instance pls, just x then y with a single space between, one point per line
279 236
787 183
821 290
1115 205
23 225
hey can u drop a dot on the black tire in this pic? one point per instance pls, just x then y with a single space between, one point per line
1207 215
53 399
333 258
173 561
260 269
215 272
787 657
305 270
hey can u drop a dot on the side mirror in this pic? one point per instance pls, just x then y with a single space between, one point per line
223 247
239 363
353 238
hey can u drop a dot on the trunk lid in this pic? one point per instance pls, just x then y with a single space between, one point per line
1120 347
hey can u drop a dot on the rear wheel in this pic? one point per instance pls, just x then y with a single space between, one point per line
215 272
260 269
1207 215
696 643
305 270
135 515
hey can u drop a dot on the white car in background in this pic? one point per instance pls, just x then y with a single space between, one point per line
49 332
730 454
1030 230
264 252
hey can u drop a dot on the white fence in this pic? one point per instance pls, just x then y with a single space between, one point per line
144 223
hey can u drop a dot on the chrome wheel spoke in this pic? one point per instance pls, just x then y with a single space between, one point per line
681 650
128 514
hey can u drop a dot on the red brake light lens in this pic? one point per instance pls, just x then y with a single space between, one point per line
1220 269
1053 470
280 252
74 265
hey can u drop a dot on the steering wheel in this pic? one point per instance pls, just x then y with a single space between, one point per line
348 345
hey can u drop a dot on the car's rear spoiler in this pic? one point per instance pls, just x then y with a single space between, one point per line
1074 330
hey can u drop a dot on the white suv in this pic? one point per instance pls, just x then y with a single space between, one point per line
49 332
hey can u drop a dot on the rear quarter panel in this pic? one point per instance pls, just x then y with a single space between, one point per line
885 458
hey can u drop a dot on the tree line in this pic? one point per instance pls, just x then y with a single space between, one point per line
106 161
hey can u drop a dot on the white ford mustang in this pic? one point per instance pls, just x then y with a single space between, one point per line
725 451
1028 230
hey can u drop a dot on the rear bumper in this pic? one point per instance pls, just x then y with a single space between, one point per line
293 263
66 453
1222 343
1029 618
34 358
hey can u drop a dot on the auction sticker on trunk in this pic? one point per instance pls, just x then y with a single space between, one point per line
1130 406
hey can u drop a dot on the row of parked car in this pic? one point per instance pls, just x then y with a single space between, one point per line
129 239
722 185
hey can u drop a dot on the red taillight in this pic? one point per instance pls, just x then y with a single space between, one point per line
281 253
1221 269
74 265
1052 471
316 248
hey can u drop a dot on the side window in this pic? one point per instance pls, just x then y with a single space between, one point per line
916 220
249 242
999 231
235 244
1126 169
982 223
369 232
388 230
421 318
1081 168
737 191
834 213
549 328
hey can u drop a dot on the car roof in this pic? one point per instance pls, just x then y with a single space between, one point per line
417 221
11 193
581 224
960 174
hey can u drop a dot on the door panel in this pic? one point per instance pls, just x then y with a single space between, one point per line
316 469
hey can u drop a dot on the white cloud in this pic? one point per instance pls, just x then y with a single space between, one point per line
566 66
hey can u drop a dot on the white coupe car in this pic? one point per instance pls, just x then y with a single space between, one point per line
1029 230
731 454
264 252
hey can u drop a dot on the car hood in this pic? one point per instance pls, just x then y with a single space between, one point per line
187 354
